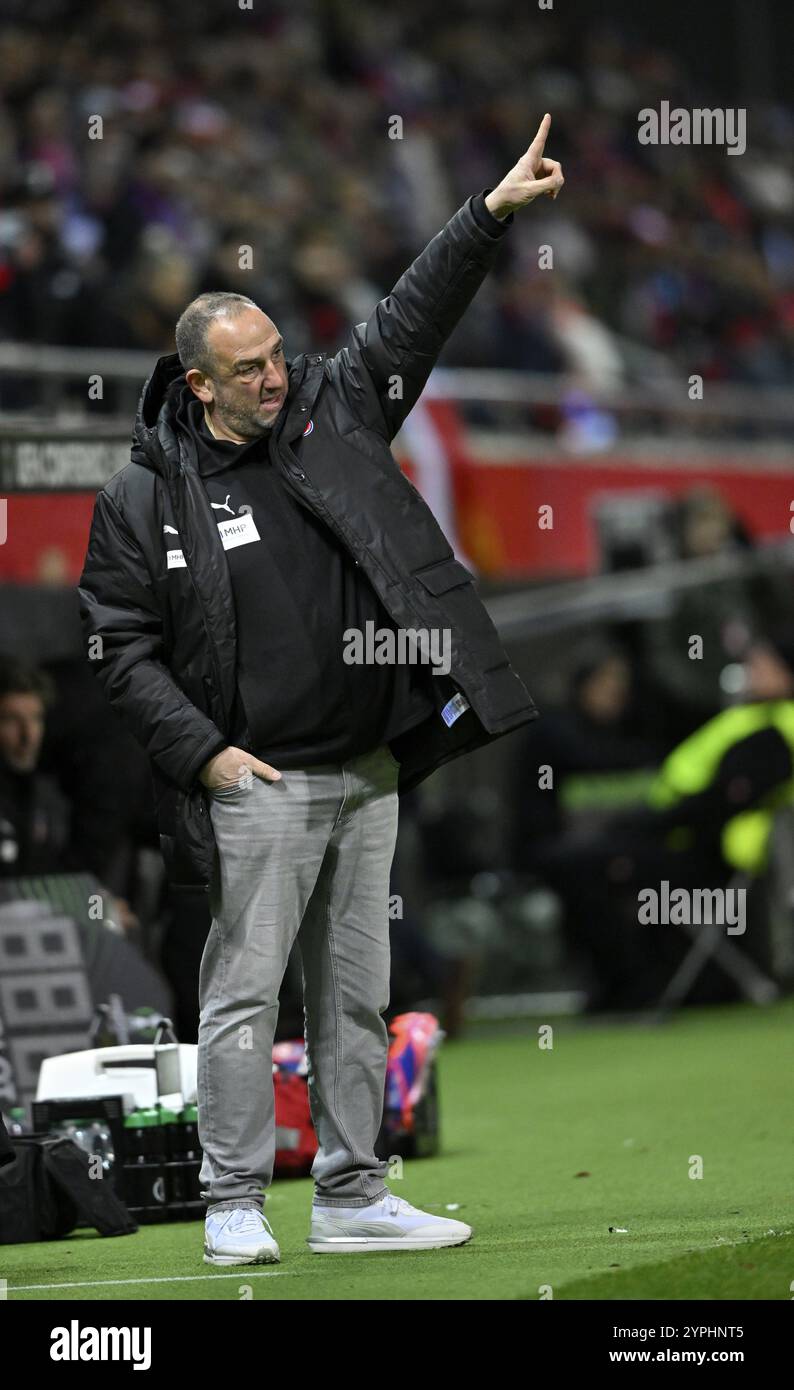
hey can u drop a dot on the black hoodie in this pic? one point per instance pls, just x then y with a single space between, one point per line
297 591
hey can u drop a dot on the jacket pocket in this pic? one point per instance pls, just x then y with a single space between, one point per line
443 575
191 850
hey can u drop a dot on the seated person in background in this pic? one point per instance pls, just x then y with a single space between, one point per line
35 816
104 775
719 790
725 615
577 762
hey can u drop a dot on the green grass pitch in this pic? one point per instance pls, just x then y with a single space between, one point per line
543 1151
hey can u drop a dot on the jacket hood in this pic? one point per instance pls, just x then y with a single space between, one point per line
155 442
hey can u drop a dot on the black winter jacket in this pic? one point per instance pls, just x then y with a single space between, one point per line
162 641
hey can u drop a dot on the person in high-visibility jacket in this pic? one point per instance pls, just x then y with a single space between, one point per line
724 784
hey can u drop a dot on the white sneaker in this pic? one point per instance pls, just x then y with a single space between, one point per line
389 1224
239 1236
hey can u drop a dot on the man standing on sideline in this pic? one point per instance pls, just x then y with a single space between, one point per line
262 523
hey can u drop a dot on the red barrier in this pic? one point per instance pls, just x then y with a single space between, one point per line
498 505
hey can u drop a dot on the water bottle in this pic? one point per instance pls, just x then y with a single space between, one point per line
144 1166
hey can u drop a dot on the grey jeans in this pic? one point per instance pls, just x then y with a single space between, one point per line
307 857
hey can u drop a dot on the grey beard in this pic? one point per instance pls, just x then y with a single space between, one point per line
243 425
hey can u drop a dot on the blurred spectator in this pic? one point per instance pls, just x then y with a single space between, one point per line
571 771
34 816
36 830
103 772
716 793
723 615
571 765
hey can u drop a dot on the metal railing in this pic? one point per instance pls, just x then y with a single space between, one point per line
629 595
49 376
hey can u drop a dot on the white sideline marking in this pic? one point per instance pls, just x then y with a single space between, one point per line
244 1274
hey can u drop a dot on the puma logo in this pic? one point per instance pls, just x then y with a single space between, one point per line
223 506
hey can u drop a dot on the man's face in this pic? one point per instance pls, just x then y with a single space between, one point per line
21 730
767 675
247 385
604 695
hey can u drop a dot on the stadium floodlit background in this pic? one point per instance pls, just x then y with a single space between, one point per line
607 442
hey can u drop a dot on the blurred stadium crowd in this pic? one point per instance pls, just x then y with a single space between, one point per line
270 128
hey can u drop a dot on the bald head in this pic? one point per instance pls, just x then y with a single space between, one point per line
234 361
193 326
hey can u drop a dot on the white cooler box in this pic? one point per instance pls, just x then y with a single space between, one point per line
143 1073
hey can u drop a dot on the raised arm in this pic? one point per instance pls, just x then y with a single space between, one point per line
383 369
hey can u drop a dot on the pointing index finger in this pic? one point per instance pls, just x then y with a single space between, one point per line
536 148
